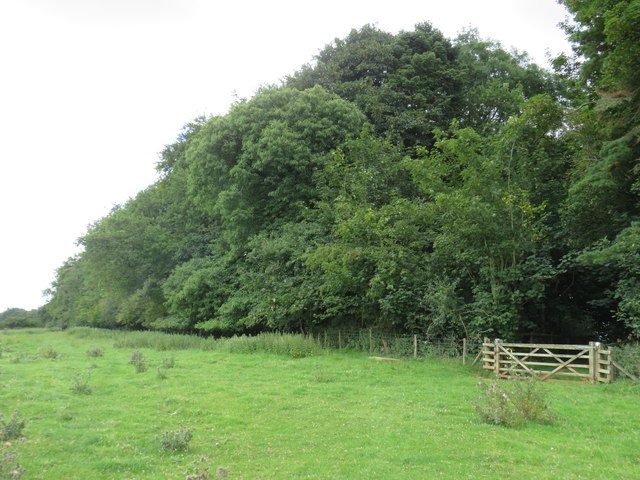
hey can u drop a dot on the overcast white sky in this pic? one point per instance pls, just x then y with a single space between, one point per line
92 90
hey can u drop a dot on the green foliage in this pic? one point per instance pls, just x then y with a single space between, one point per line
168 362
137 359
19 318
270 407
512 403
200 471
295 346
162 372
628 356
403 182
95 352
255 166
47 351
18 357
81 380
11 428
9 468
176 440
620 258
406 84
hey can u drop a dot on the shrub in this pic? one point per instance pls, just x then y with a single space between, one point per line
48 352
95 352
321 376
528 397
511 403
162 372
176 440
81 382
9 468
17 358
628 356
137 360
11 428
168 362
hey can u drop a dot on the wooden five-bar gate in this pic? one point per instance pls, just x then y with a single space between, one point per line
586 363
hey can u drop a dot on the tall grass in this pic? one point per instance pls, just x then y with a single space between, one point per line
293 345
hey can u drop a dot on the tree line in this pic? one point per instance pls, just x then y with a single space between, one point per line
405 182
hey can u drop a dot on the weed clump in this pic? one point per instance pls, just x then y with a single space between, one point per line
201 471
321 376
48 352
512 403
137 360
9 468
95 352
11 428
162 372
81 382
17 358
176 440
168 362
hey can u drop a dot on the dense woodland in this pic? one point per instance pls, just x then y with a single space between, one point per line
408 183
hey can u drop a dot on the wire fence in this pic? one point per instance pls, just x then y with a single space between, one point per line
400 345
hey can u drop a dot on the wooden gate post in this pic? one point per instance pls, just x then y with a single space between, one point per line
594 361
496 356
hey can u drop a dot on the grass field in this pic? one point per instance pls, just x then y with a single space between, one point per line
263 416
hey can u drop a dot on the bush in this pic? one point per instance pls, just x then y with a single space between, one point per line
11 428
137 360
48 352
17 358
628 356
168 362
95 352
177 440
512 402
81 383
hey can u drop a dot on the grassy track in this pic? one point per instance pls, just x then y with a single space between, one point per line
263 416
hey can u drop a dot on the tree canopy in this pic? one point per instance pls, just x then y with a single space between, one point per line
406 182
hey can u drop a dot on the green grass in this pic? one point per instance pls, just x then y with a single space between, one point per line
267 416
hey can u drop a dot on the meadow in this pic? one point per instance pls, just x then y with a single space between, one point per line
296 414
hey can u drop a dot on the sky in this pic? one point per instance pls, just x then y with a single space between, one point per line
92 90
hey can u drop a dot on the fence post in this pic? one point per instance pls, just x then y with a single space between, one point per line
607 363
593 361
339 341
496 356
370 342
612 368
464 351
415 346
